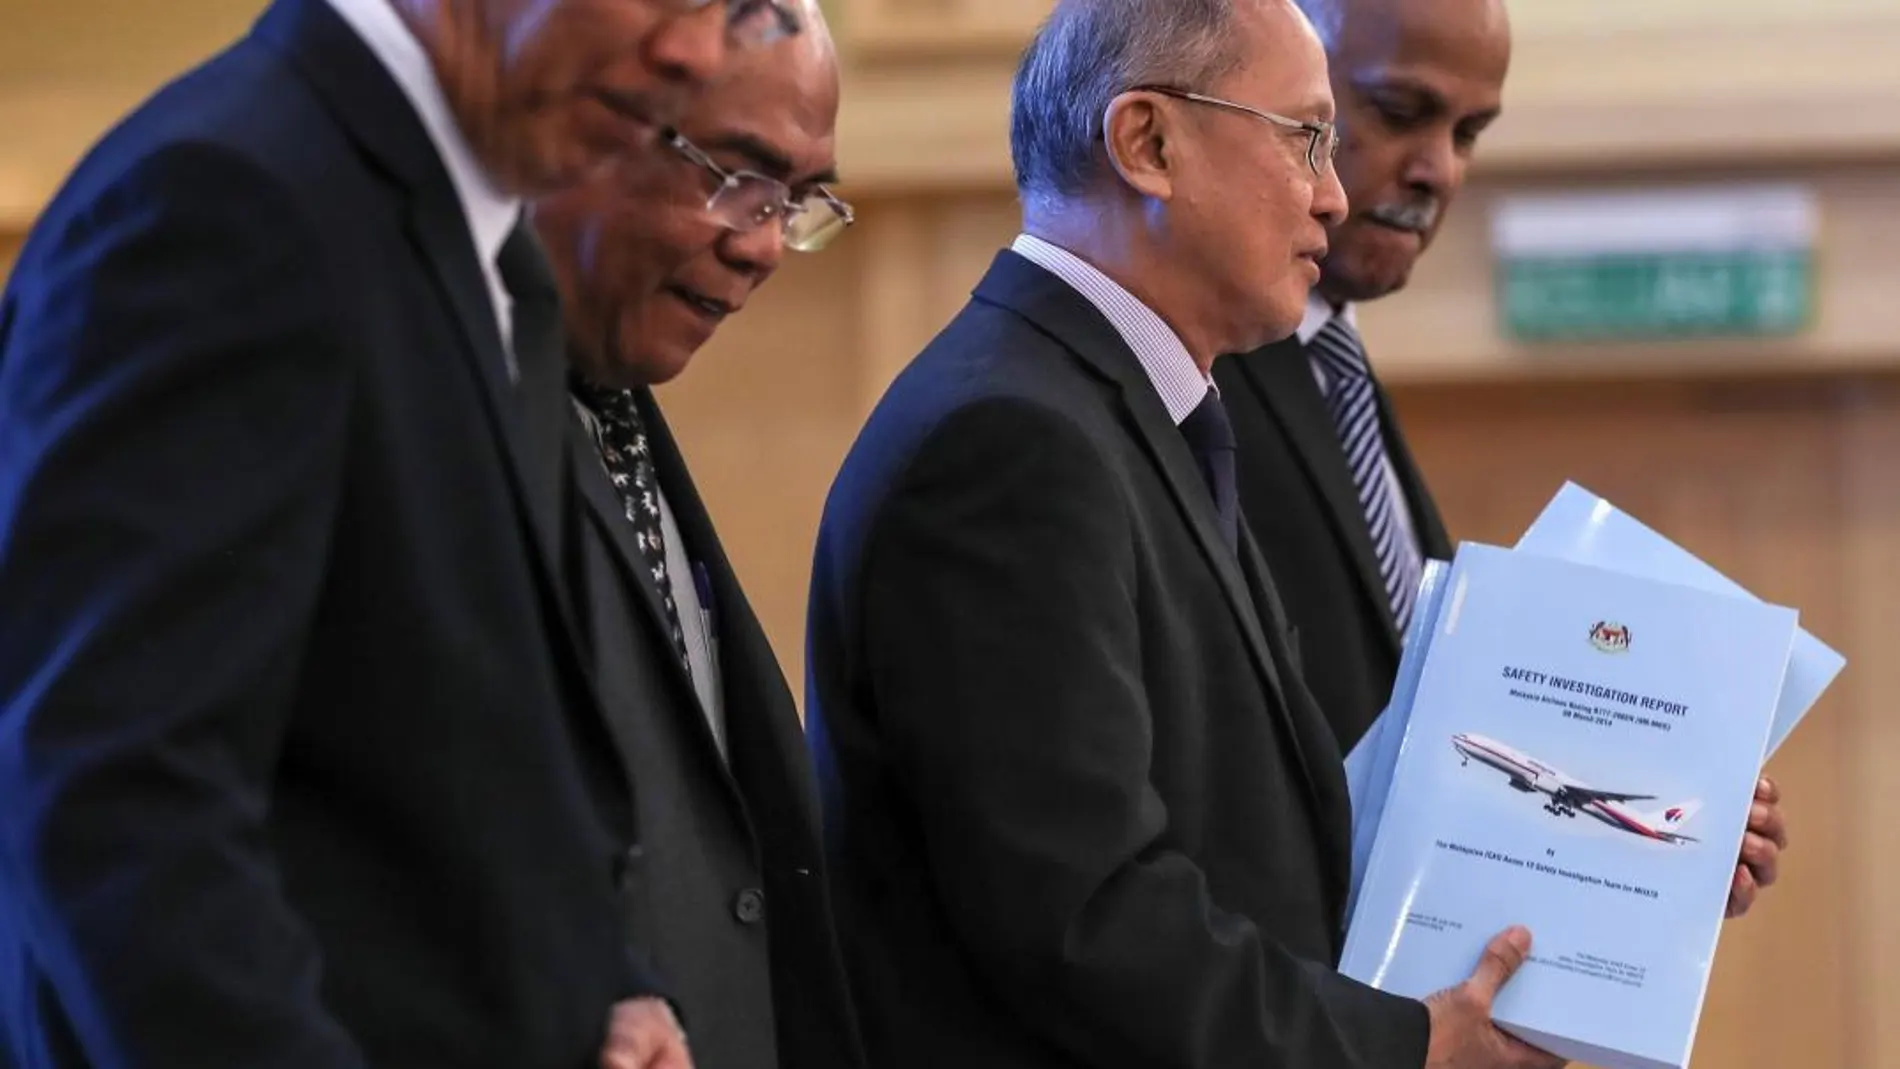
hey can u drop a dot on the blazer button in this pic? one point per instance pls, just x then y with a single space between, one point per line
625 862
749 906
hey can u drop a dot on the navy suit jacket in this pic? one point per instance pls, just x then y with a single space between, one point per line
300 765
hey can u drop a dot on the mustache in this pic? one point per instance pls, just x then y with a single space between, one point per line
1419 216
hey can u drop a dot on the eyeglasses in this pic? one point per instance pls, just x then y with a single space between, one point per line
747 200
749 23
1322 137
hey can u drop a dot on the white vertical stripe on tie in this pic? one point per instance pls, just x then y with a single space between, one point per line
1351 399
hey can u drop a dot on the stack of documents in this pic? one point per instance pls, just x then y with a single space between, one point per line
1573 744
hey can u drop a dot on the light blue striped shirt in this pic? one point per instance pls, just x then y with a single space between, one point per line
1173 372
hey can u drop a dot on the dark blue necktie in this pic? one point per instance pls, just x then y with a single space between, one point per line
1211 438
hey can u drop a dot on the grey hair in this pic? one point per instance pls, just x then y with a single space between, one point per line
1085 54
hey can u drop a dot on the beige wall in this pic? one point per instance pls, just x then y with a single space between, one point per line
1789 444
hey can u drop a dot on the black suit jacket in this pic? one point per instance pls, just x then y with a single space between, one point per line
1298 497
730 897
299 763
1081 810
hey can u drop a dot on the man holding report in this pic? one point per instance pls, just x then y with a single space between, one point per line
1080 807
1343 515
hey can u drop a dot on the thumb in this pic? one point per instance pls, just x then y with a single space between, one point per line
1501 959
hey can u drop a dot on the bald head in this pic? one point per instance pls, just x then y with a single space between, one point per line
1384 19
810 52
1417 83
774 100
649 261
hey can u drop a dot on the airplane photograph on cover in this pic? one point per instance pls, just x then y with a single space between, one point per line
1565 797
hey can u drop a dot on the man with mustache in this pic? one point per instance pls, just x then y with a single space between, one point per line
729 895
301 766
1342 513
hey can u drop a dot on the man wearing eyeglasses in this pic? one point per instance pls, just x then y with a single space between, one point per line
1344 517
1081 809
729 895
303 765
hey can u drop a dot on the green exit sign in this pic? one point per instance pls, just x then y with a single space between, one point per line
1630 266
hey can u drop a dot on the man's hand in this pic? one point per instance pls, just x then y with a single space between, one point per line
643 1034
1463 1036
1761 848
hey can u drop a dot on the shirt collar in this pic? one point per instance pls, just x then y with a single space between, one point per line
1320 312
1163 357
491 213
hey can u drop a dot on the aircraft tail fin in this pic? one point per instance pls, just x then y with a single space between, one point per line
1671 818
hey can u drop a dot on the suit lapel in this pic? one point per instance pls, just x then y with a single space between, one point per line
516 411
1310 727
607 513
1064 314
379 118
1281 378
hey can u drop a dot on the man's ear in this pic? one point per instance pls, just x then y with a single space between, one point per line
1138 133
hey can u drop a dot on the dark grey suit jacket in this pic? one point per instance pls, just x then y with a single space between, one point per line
1081 809
729 897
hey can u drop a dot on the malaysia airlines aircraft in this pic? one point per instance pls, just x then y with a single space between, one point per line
1567 797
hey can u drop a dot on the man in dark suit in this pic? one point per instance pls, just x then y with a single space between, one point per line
1080 807
1342 513
731 893
302 765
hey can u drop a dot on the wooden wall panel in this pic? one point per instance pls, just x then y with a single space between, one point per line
69 68
1443 327
1597 88
911 27
1871 881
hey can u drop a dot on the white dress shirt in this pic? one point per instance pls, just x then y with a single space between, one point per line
1319 313
490 213
698 624
1175 376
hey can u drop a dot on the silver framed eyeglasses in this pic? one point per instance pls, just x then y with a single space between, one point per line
747 200
749 23
1322 137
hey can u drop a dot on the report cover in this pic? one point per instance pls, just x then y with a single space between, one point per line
1580 526
1580 757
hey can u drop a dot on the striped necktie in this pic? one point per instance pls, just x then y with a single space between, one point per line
1354 405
